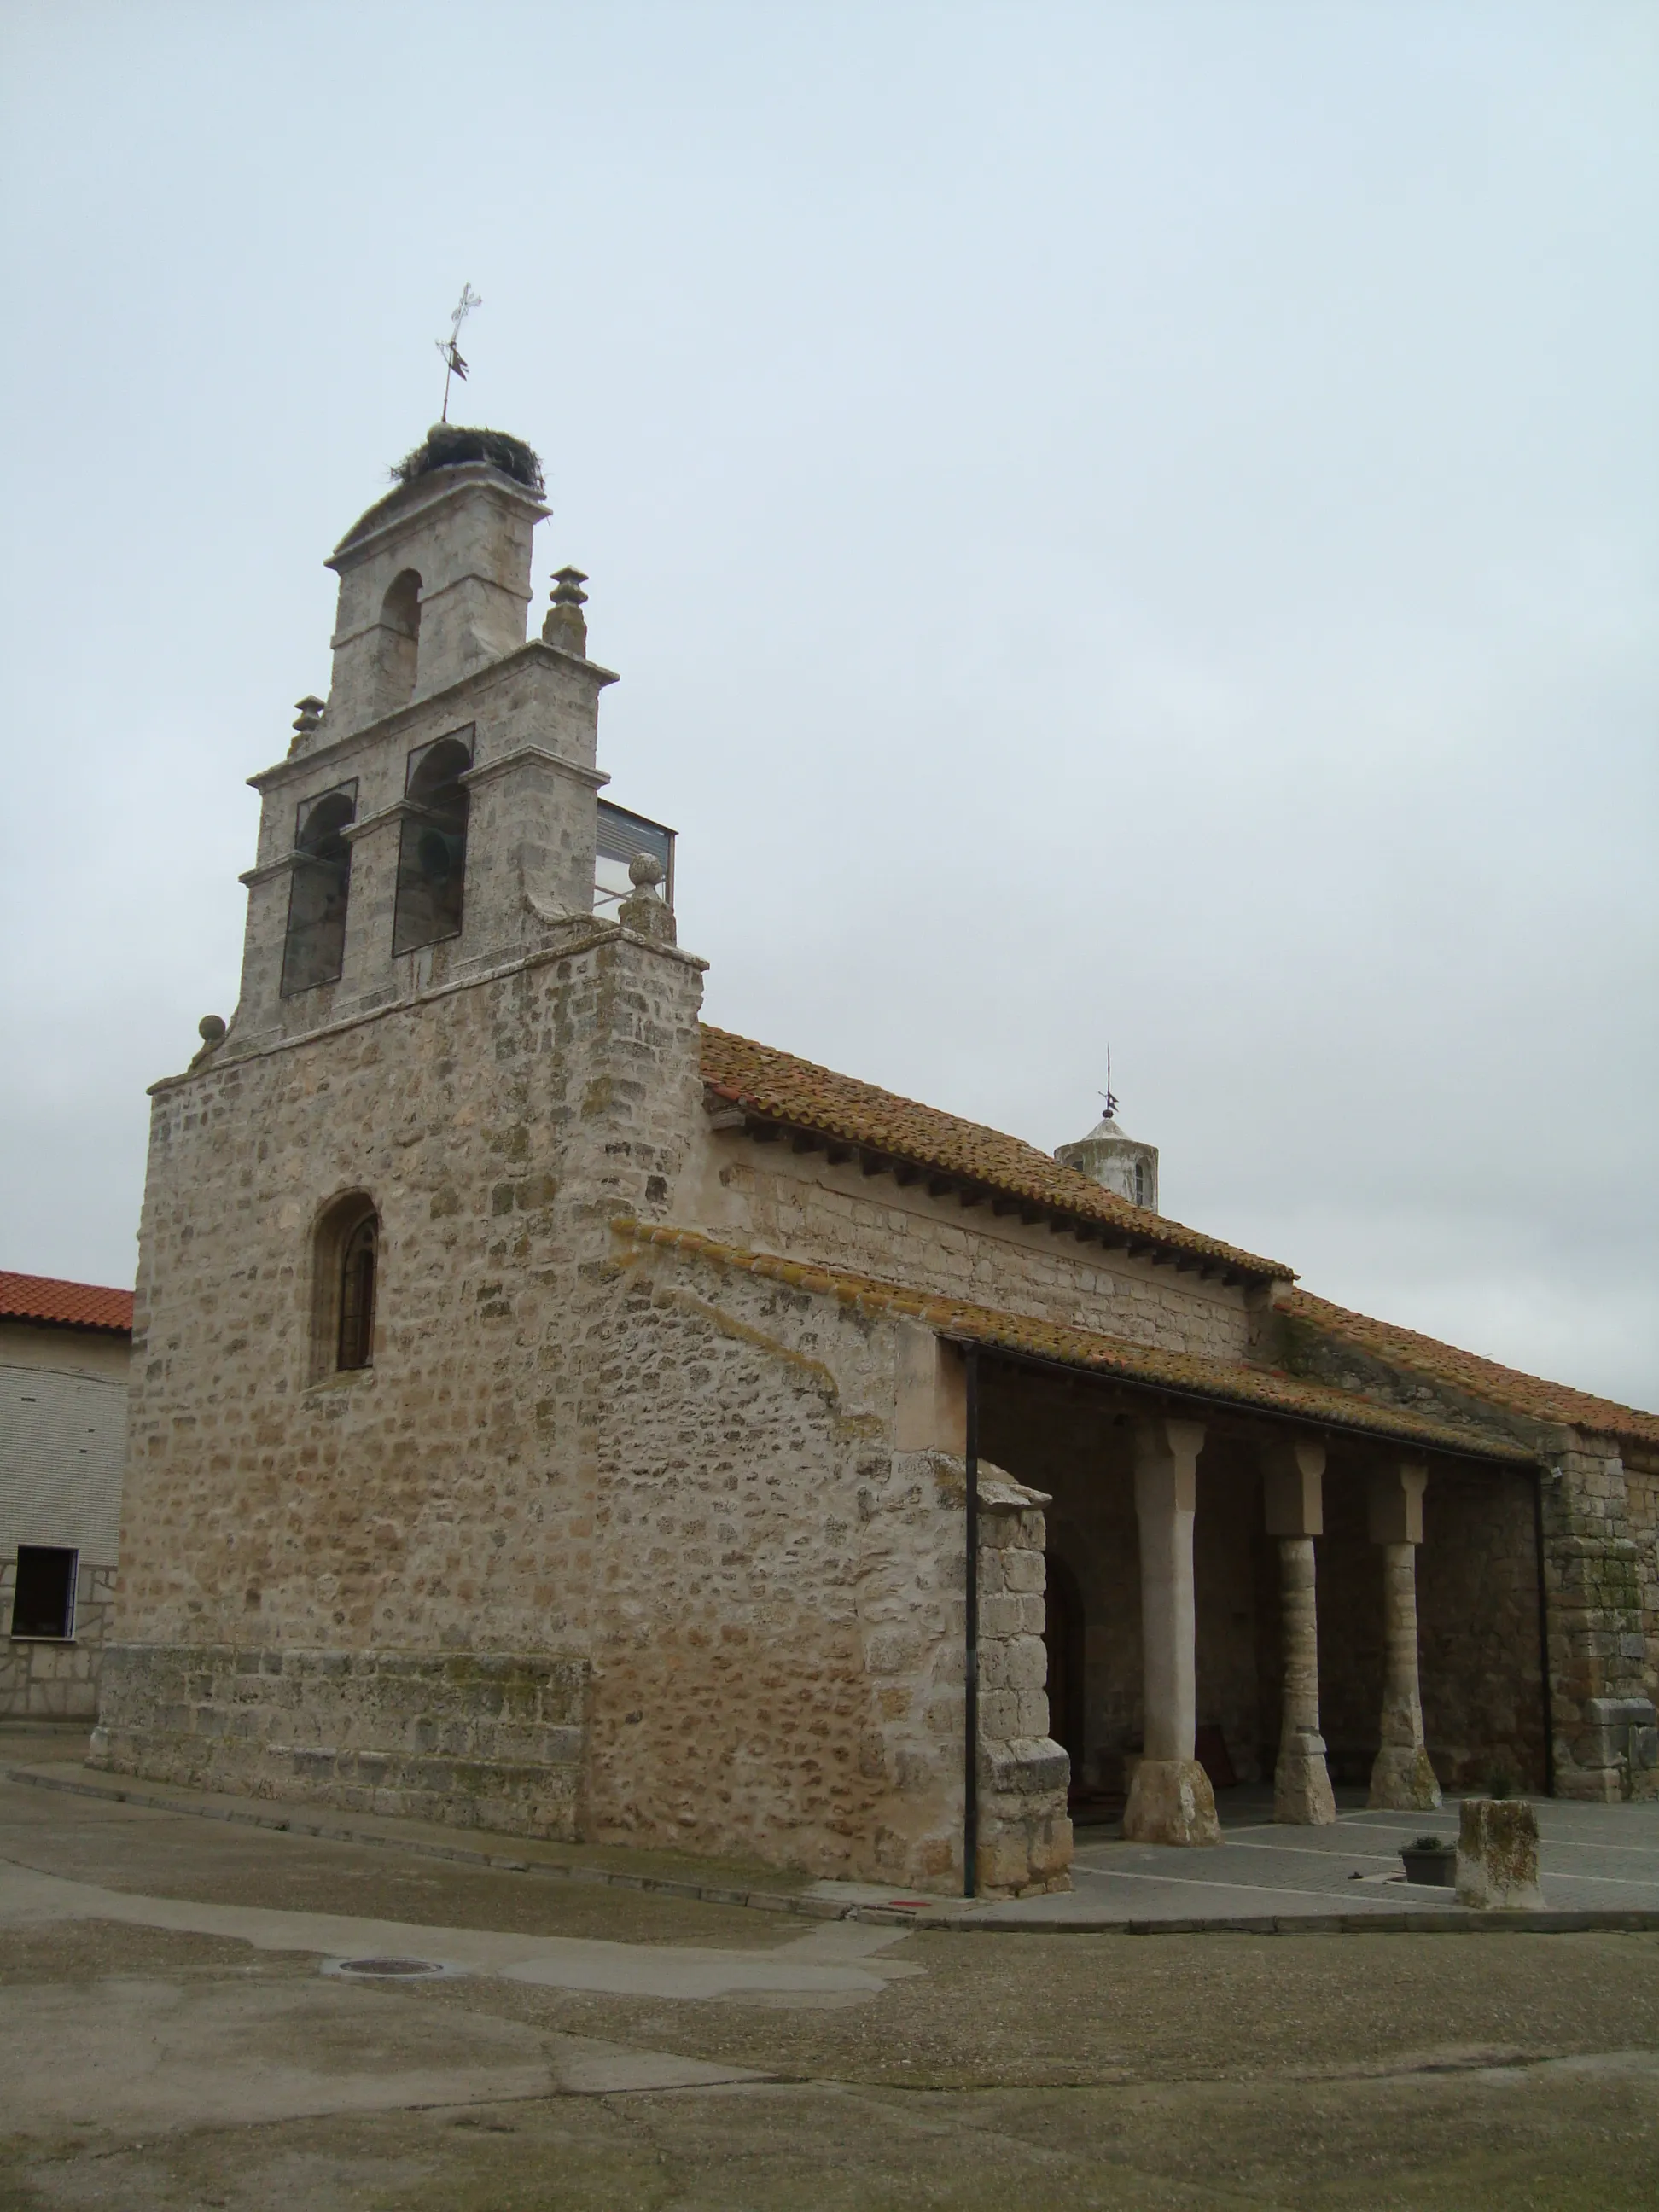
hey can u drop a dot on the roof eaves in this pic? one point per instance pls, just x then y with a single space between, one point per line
1468 1373
1183 1374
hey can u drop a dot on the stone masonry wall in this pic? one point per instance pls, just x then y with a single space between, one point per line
440 1501
768 1199
1642 1505
1605 1744
778 1669
488 1739
1477 1610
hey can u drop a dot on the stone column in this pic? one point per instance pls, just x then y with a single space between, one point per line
1402 1776
1293 1476
1170 1800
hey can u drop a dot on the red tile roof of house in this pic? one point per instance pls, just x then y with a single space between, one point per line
1187 1374
777 1087
55 1304
1468 1373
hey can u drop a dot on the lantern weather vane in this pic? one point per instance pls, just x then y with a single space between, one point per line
1111 1103
450 347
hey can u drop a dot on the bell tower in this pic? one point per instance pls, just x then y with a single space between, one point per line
440 811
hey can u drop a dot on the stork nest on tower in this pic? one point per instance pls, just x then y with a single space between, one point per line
447 444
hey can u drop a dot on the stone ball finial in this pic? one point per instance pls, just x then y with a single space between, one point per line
646 913
210 1028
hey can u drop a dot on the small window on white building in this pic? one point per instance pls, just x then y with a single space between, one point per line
43 1602
1140 1183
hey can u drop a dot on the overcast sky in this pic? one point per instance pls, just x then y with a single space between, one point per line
1118 523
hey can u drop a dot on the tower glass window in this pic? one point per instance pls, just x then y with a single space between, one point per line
432 854
313 950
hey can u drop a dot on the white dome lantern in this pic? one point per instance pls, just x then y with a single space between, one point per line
1119 1163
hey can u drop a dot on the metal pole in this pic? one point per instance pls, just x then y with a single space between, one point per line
970 1656
1544 1635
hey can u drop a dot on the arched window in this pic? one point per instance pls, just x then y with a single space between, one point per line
400 640
432 856
313 950
345 1284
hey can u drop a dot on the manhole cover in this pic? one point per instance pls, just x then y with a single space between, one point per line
368 1970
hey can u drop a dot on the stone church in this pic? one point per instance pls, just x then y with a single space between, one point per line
552 1414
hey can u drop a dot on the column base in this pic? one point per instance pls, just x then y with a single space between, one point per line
1403 1780
1302 1796
1170 1802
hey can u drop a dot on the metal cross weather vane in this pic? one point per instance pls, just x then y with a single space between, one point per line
450 347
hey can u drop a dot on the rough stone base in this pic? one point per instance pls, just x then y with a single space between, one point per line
1403 1780
1613 1755
479 1740
1302 1786
1497 1855
1170 1802
1024 1831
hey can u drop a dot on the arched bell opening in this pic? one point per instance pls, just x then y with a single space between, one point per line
399 641
432 853
313 949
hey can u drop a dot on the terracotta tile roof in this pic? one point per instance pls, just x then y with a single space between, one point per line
776 1086
1467 1372
1256 1389
58 1304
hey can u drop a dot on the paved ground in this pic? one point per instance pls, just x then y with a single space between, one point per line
173 2035
1591 1858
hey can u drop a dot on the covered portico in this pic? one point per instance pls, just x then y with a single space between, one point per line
1318 1593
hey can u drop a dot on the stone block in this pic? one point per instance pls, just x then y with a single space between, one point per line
1497 1855
1024 1764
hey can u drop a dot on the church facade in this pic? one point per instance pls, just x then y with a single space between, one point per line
553 1415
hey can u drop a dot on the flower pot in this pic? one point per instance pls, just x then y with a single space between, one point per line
1438 1867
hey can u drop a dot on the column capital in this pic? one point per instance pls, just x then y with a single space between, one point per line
1293 1486
1395 1503
1166 1446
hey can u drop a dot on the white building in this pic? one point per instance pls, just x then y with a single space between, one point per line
64 1353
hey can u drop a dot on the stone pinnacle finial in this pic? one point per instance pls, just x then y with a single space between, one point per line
645 914
566 626
310 715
